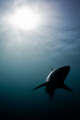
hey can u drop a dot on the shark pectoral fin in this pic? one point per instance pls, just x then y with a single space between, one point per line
44 84
66 88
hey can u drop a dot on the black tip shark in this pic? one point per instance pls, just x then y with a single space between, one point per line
55 80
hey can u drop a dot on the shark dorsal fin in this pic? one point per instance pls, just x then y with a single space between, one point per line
51 69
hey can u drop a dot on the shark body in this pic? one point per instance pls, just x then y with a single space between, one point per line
55 80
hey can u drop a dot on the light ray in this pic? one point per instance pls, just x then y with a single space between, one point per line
24 18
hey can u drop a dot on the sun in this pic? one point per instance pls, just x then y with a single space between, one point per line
24 18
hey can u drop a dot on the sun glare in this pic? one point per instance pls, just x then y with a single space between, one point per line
24 18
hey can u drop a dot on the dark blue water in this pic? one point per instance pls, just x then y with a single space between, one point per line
27 56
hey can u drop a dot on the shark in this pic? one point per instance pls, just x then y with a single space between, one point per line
55 80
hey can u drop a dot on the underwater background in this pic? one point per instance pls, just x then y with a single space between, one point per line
26 58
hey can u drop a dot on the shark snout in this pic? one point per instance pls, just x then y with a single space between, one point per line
67 68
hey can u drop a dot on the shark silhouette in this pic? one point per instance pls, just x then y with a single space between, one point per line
55 80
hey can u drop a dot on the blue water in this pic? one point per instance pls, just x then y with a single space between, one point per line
18 101
26 58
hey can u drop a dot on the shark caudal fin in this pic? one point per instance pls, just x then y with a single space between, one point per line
44 84
66 88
